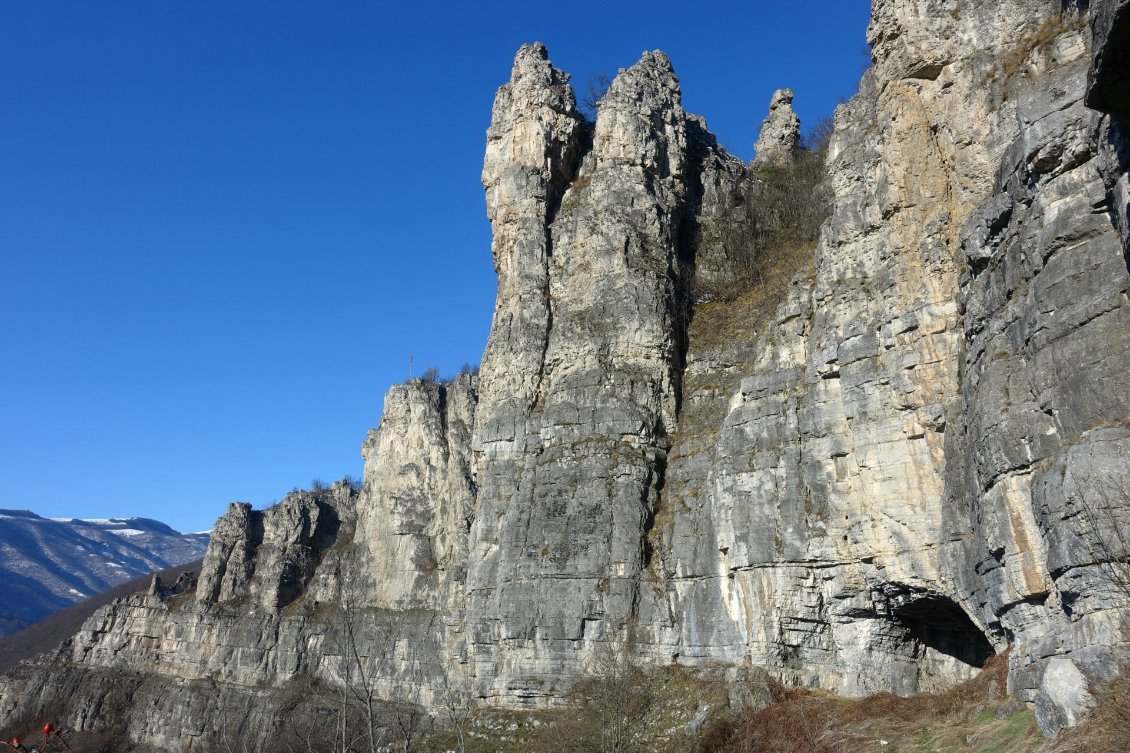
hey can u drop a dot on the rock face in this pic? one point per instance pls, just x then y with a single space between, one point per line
566 494
420 497
908 458
271 555
780 133
1040 448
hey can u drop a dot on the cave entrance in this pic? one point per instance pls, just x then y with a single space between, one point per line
939 623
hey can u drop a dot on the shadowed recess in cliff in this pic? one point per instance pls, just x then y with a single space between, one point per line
939 623
1109 84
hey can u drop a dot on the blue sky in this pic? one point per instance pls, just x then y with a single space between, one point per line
226 225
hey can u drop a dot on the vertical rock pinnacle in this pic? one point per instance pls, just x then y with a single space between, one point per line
533 146
780 133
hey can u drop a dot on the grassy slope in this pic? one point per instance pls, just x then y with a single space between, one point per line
977 716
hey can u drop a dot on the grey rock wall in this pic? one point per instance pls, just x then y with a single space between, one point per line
559 535
270 556
415 513
780 133
813 541
1039 451
910 457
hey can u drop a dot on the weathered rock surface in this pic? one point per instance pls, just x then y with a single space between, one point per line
1036 460
418 503
912 456
270 555
559 536
780 132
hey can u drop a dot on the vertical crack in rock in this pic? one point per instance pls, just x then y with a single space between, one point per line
1108 90
559 536
269 557
1108 79
229 564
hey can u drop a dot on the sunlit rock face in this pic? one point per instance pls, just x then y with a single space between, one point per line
565 496
911 456
780 133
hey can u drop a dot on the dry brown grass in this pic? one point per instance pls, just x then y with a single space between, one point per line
953 703
799 721
975 716
620 707
775 212
743 312
1038 42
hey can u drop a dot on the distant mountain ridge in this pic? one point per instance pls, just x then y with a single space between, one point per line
47 564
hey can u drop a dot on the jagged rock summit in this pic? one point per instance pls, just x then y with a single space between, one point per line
909 457
780 132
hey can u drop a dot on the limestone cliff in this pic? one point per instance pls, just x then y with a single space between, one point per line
780 133
909 457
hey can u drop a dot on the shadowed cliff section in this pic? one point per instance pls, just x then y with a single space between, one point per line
1108 82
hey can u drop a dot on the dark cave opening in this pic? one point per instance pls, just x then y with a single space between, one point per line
939 623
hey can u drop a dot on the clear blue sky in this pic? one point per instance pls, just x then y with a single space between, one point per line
225 225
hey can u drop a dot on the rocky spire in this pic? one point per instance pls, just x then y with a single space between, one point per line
533 149
645 124
780 133
568 481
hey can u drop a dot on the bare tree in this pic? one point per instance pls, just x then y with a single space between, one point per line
306 738
608 708
457 708
819 136
410 722
232 731
370 642
1104 507
363 647
595 88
